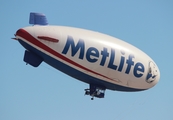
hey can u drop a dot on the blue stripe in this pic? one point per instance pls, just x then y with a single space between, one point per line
76 73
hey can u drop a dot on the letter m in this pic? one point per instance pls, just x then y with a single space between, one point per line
74 49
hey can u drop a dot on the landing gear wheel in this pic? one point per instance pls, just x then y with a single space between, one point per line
92 98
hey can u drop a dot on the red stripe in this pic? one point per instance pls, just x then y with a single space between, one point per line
48 38
24 34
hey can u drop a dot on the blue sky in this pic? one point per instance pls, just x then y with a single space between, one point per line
28 93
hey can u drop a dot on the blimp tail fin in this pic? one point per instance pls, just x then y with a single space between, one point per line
32 59
37 19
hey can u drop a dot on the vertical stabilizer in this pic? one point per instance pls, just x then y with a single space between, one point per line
37 19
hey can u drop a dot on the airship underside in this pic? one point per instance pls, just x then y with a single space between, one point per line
102 61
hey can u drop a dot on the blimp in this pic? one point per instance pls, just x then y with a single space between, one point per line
100 60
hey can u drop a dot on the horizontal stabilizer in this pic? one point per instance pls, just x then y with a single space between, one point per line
37 19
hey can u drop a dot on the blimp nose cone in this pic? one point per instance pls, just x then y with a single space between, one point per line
158 76
153 74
